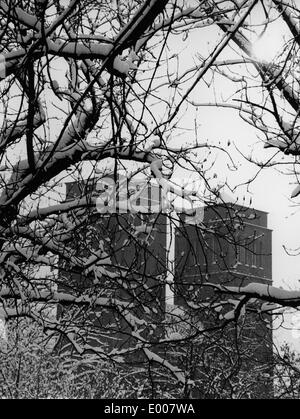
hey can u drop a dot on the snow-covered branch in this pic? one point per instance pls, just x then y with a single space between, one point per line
263 292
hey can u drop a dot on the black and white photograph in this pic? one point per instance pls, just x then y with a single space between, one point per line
149 202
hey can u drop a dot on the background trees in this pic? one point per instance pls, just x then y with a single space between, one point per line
95 89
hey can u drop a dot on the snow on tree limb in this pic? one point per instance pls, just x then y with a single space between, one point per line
262 292
21 16
296 192
153 357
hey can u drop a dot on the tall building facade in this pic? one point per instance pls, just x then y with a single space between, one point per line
234 248
167 264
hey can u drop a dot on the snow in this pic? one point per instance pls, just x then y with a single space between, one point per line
3 332
175 336
156 167
296 192
175 371
23 17
265 292
230 315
